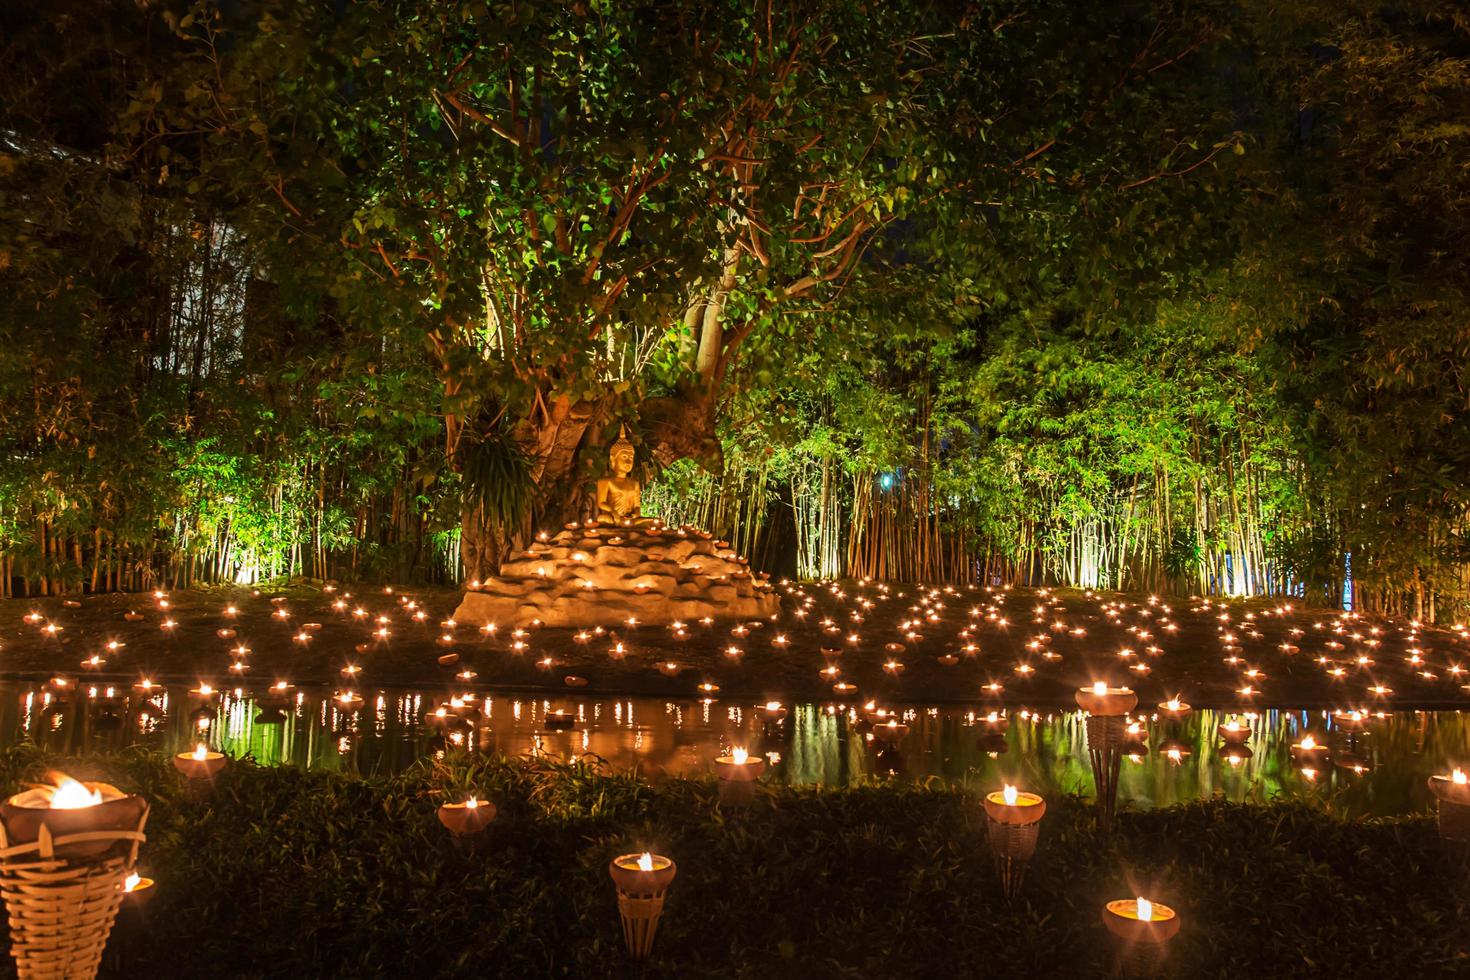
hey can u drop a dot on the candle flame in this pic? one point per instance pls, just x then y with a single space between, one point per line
739 756
1145 910
773 705
1173 703
1458 776
471 803
1010 795
1100 688
1308 742
645 861
201 752
72 795
131 882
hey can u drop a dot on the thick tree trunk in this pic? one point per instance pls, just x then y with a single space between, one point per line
566 445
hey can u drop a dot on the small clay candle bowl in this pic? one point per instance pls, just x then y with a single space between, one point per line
1105 701
1174 749
630 879
467 818
61 685
347 701
199 764
1135 740
71 807
204 693
1308 750
1350 721
1236 753
996 722
740 767
1125 920
1173 709
1018 811
773 711
1233 736
1454 788
559 720
465 707
891 731
137 889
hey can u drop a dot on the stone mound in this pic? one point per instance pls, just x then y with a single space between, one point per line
601 574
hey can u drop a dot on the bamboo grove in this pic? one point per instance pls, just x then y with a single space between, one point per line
1151 296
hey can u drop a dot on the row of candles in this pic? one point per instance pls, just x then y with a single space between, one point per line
929 608
642 880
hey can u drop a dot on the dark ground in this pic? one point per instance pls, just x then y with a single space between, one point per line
1188 660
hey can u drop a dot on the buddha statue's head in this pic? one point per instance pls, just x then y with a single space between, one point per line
621 454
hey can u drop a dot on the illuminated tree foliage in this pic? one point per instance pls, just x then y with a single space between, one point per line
1152 295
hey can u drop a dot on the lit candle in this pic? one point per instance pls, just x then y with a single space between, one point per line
1100 699
67 807
739 766
1138 920
641 880
468 818
200 764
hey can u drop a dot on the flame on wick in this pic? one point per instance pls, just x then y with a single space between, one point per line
1145 910
201 752
739 756
131 882
1010 795
1100 688
471 803
645 861
68 794
1458 776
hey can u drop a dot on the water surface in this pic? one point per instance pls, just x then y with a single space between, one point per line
814 744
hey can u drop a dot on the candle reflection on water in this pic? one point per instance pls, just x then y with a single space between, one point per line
815 745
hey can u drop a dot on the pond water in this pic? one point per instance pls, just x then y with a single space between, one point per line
1380 771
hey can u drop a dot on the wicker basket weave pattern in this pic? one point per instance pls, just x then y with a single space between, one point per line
61 908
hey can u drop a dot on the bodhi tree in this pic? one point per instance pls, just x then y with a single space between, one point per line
594 213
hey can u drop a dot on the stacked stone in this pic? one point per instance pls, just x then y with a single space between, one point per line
601 574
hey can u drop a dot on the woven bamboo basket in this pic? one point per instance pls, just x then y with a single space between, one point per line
62 904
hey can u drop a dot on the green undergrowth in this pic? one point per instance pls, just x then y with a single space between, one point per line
290 873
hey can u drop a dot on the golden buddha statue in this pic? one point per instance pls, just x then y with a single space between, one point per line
619 496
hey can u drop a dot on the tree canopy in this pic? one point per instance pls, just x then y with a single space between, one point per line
1156 294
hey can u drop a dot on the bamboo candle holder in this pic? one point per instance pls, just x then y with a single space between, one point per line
1144 930
62 873
642 881
1452 793
1013 824
1107 733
